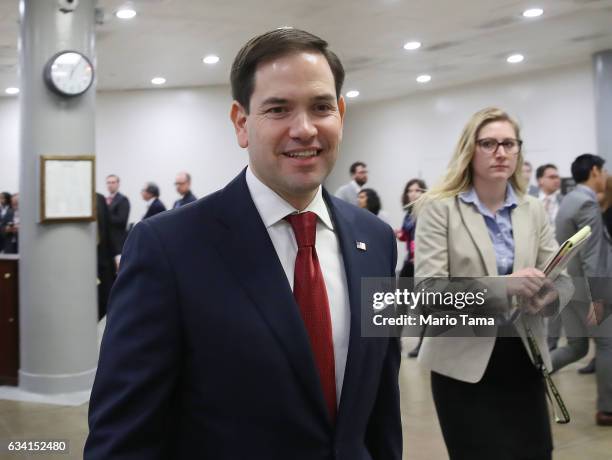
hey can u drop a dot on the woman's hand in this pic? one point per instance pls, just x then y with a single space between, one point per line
532 288
526 282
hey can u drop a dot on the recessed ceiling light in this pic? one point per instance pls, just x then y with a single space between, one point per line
352 93
424 78
284 27
125 13
211 59
411 46
12 90
158 80
515 58
533 12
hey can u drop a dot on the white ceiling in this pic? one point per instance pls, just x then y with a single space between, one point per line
463 40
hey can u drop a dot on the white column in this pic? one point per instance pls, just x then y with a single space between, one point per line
57 275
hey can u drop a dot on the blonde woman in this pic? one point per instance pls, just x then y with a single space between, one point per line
478 222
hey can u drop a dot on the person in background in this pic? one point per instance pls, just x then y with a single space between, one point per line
412 192
527 170
11 229
606 206
359 177
183 188
549 184
605 203
591 265
105 255
119 213
489 395
6 215
150 193
369 199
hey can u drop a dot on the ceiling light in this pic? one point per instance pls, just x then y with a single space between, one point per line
515 58
125 13
411 46
533 12
352 93
424 78
211 59
12 90
284 27
158 80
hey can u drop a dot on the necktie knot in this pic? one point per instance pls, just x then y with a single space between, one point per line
304 227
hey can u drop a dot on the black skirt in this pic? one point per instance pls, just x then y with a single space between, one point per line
502 417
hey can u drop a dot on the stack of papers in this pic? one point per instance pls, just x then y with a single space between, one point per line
566 251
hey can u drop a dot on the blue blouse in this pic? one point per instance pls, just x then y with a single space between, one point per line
499 227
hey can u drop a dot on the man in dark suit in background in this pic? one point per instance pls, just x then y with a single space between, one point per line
591 270
119 213
183 188
234 328
105 255
150 193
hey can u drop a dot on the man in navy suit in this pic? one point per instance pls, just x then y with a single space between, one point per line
150 193
210 351
183 187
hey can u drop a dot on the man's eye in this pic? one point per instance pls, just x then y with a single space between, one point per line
323 107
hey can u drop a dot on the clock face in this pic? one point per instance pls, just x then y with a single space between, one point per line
69 73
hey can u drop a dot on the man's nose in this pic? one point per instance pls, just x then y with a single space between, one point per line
303 126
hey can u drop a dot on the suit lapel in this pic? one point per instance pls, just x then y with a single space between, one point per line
347 233
476 227
521 233
247 247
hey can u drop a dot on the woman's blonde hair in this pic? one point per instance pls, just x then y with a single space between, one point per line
458 176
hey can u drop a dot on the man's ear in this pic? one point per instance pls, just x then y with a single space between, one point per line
238 116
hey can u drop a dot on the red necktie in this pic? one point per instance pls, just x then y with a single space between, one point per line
310 294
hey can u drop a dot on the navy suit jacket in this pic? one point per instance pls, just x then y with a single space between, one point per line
205 355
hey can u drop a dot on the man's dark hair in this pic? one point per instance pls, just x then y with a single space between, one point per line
542 170
153 189
115 176
373 202
7 199
272 45
582 165
355 165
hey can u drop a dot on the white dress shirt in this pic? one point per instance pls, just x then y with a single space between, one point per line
273 209
551 205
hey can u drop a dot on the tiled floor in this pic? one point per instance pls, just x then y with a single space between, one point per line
581 439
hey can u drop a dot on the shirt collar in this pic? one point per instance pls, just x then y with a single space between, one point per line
148 202
356 186
588 190
272 208
543 195
470 196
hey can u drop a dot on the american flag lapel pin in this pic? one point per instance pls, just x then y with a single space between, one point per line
361 245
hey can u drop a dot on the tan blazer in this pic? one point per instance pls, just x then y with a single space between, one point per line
452 240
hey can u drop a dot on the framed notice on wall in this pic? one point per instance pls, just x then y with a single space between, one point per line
67 188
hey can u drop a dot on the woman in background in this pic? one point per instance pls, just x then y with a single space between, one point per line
478 222
413 191
369 199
